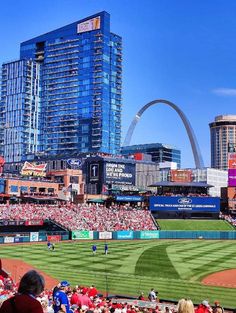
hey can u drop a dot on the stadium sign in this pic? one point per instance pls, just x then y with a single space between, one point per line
184 176
34 236
31 169
119 173
232 177
149 234
105 235
74 163
196 204
125 234
82 234
129 198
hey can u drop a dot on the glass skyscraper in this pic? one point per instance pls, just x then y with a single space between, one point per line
63 96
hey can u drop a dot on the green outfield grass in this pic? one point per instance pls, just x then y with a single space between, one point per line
175 268
218 225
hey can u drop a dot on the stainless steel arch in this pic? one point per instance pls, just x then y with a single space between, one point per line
194 144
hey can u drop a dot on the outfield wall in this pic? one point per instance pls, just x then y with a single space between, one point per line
117 235
151 234
34 237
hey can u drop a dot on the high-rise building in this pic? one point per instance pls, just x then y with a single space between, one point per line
158 151
223 140
63 96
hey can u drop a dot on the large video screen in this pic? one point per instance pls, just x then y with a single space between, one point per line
119 173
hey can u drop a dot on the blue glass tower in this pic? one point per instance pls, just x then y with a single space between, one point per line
79 76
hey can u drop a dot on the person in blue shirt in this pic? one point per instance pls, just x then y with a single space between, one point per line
61 302
49 245
106 248
94 249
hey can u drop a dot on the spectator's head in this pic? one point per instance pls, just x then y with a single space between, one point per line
64 285
205 303
185 306
31 283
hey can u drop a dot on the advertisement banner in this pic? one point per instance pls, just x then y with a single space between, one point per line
82 234
54 238
232 156
91 24
19 239
8 239
31 169
232 177
184 176
119 173
129 198
105 235
232 164
34 223
34 236
195 204
125 234
149 234
12 223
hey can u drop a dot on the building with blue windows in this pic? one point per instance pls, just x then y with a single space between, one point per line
63 96
159 152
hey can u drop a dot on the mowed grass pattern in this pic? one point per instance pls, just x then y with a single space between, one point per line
217 225
174 267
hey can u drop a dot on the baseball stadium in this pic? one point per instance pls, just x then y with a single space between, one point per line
121 248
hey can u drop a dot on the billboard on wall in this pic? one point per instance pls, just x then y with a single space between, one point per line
105 235
129 198
34 236
119 173
149 234
54 238
184 176
82 234
31 169
125 234
91 24
232 177
195 204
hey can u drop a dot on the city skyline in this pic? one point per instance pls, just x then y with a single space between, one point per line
178 51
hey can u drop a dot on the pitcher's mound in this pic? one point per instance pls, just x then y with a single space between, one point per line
17 268
225 278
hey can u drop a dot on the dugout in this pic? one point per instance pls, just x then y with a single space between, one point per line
175 200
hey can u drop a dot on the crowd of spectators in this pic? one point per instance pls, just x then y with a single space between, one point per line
94 217
81 299
229 218
184 194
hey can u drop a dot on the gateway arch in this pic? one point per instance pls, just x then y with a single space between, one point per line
192 138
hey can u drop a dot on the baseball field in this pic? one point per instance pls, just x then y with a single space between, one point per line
173 267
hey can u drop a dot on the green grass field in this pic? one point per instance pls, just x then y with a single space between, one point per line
174 267
217 225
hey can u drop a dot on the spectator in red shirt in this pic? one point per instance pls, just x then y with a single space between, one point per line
92 292
74 298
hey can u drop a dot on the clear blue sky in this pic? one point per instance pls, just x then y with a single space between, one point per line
181 51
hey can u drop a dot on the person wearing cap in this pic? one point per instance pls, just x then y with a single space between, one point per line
217 308
204 307
61 302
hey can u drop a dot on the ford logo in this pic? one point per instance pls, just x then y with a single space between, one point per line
74 162
185 201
